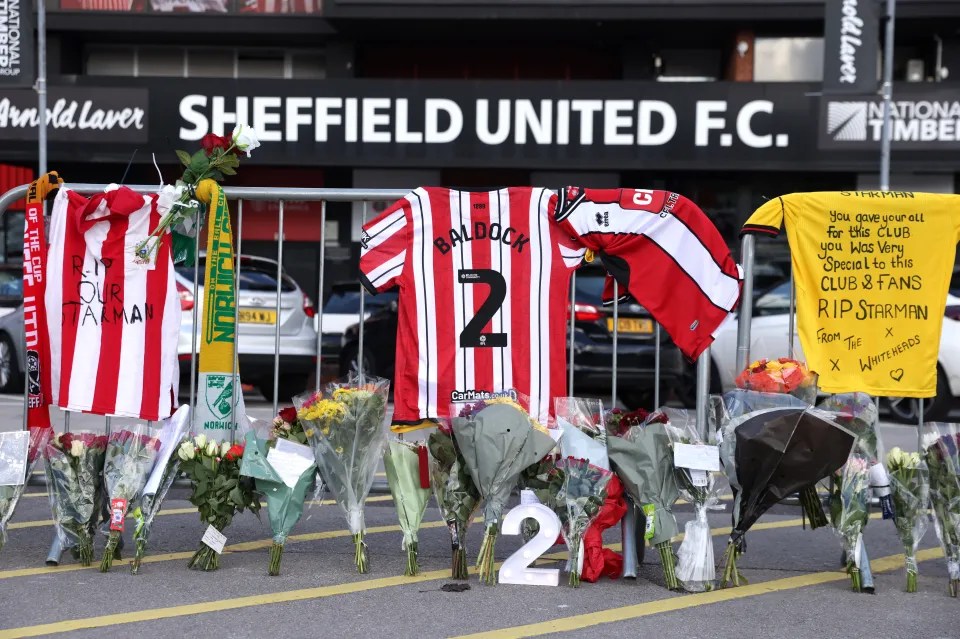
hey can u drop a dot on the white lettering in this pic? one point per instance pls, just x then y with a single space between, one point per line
189 111
325 119
372 119
296 118
645 134
404 135
540 124
744 129
613 122
220 117
483 122
704 123
432 133
263 119
586 109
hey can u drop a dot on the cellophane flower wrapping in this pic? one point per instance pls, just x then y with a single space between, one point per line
74 470
401 462
850 510
131 454
696 569
543 479
941 444
498 441
457 496
910 490
580 498
282 468
217 489
172 432
782 375
20 451
642 456
345 426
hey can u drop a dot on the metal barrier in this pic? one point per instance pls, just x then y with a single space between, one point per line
324 195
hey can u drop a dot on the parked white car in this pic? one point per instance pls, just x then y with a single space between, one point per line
256 333
769 338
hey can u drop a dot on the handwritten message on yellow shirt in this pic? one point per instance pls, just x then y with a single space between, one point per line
871 272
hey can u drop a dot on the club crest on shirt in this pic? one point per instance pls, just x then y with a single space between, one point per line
365 239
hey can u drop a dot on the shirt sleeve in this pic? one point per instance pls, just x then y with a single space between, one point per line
383 248
766 220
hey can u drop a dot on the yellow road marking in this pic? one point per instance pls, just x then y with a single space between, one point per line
669 604
181 511
559 625
25 495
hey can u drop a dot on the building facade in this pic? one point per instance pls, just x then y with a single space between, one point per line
725 101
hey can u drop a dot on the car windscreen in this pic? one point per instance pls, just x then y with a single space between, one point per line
589 287
347 301
11 284
253 277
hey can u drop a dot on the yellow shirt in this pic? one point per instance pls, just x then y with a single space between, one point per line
871 271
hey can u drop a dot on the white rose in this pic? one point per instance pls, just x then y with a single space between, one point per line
245 138
76 448
212 449
201 440
167 197
895 457
224 447
186 452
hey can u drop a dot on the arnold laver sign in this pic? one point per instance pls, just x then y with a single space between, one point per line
850 46
77 114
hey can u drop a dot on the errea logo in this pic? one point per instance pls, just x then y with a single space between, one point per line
603 219
847 121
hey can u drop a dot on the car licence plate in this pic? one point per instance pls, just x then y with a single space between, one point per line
256 316
631 325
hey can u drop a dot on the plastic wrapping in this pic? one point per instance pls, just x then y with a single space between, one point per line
401 462
345 426
499 439
131 455
74 470
580 498
171 433
457 496
642 457
782 376
19 454
702 489
849 512
910 490
771 447
205 460
941 448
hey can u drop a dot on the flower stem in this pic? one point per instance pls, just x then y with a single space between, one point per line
911 581
138 556
413 566
574 562
108 553
459 568
485 560
669 565
954 587
731 574
361 553
276 554
813 507
855 578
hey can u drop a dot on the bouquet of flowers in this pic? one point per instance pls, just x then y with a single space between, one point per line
498 441
942 452
19 453
849 512
74 469
282 468
409 480
641 455
166 469
701 487
457 496
910 484
543 480
783 375
345 427
217 489
217 158
580 498
130 457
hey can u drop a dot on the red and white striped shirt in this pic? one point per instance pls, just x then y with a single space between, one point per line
664 251
484 282
113 318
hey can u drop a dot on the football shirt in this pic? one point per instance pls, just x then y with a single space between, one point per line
484 287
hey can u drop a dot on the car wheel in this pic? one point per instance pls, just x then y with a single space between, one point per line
349 363
10 379
288 386
907 409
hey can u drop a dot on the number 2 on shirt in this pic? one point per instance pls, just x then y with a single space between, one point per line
471 336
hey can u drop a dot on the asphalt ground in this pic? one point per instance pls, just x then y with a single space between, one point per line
796 588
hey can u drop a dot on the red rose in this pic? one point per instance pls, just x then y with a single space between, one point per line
235 453
211 141
289 415
66 441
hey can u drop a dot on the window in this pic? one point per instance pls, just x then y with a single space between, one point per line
160 62
260 65
308 66
788 60
203 62
688 65
210 63
111 61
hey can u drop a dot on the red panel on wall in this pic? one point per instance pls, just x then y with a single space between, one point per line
301 220
11 176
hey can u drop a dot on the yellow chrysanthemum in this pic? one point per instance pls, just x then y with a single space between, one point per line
323 410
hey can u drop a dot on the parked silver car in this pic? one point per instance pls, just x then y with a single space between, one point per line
257 300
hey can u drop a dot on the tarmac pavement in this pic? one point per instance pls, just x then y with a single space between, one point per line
796 586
